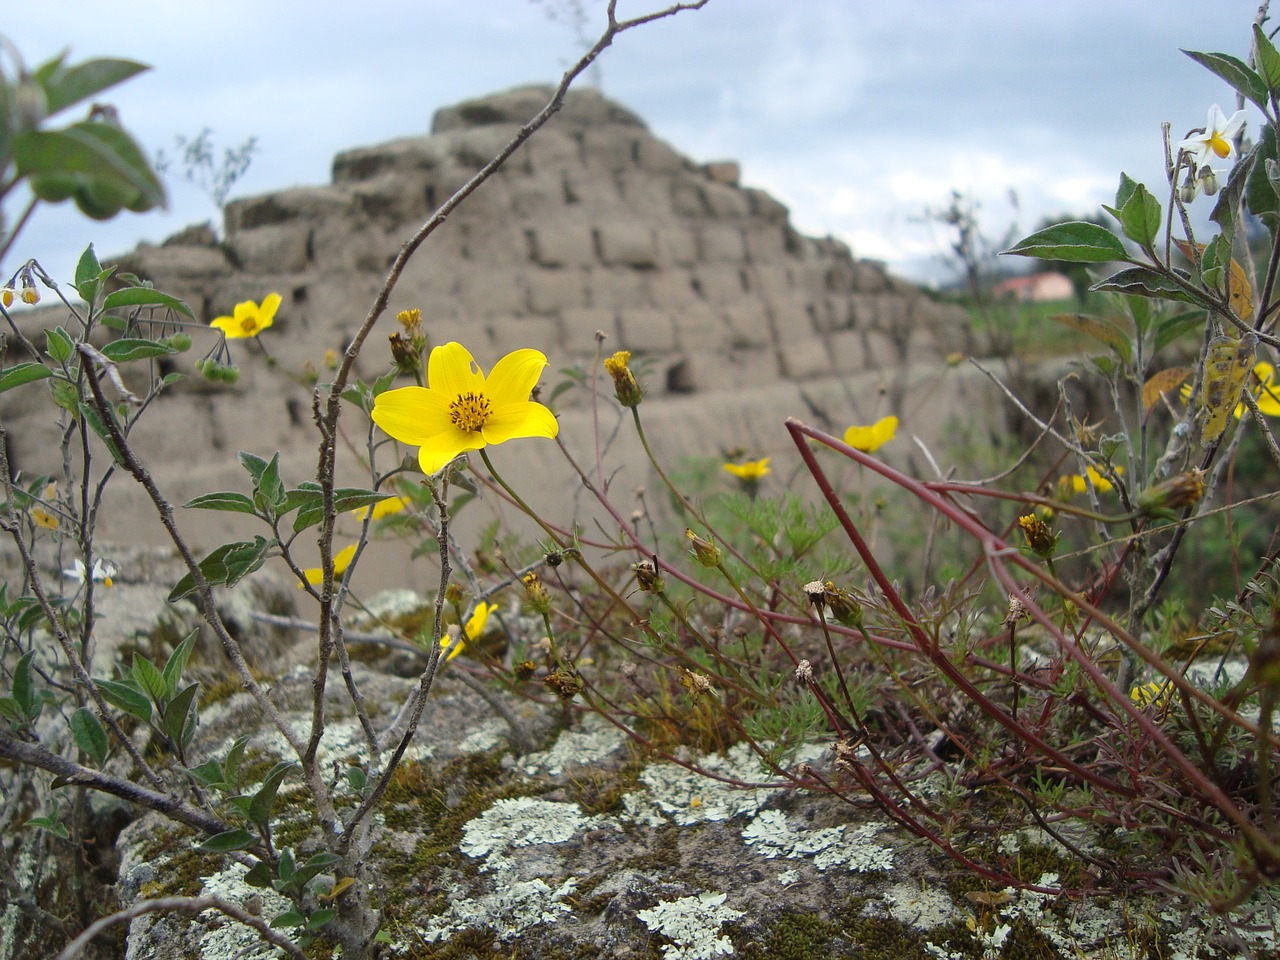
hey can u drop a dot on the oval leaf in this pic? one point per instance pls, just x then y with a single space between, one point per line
145 297
89 735
228 841
1161 383
226 500
1075 241
22 373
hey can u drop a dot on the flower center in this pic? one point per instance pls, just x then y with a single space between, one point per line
470 411
249 325
1220 146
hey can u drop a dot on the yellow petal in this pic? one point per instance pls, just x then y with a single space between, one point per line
872 438
267 312
436 453
527 419
412 415
452 371
513 378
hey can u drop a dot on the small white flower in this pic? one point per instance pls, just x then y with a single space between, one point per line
1217 138
102 572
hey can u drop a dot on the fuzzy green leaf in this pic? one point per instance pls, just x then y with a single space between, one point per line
89 735
177 662
132 348
1145 282
228 841
1236 72
1076 241
66 86
21 373
1267 58
265 797
228 564
145 297
126 697
226 500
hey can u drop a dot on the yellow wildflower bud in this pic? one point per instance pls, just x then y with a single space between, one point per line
648 577
565 681
411 320
703 550
535 591
403 355
844 605
1166 499
625 387
331 359
524 670
453 594
1039 537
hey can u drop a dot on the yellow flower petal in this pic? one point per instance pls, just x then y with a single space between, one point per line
341 560
750 470
412 415
383 508
513 377
451 371
872 438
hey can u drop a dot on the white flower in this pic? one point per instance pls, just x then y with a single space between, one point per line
1216 139
102 572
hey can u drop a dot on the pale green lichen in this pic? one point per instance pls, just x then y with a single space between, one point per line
225 938
685 797
774 835
693 923
521 822
595 740
512 908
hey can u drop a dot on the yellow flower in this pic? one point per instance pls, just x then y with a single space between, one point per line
43 518
474 629
625 387
460 409
1039 537
250 319
872 438
1100 483
749 471
341 560
1265 390
1153 692
383 508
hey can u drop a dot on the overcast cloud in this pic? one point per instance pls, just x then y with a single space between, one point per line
858 115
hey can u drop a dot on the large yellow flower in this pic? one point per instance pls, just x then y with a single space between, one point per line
460 409
872 438
749 471
250 319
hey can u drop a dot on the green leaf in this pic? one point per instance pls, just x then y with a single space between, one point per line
290 918
320 917
228 841
129 348
88 275
1177 325
265 797
234 756
148 678
177 662
1101 330
228 564
145 297
259 875
96 163
313 867
209 773
24 691
126 697
1145 282
1267 58
1230 196
89 735
253 463
311 511
1261 190
65 394
226 500
175 718
66 86
268 493
1076 241
285 865
92 417
1236 73
21 373
1138 214
59 345
51 824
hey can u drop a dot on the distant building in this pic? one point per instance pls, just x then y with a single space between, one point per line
1037 287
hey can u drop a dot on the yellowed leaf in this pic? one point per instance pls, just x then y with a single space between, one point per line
1241 291
337 890
1226 366
1161 383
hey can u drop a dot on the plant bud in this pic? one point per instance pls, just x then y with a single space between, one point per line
1040 538
625 387
703 550
1166 499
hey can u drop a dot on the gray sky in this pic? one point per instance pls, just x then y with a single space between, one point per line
858 115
